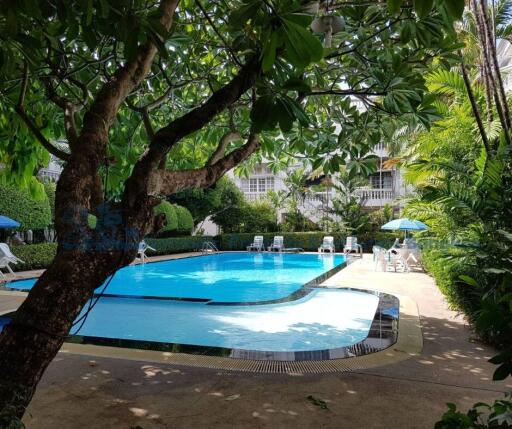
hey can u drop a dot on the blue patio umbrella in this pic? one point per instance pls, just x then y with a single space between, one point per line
6 222
405 224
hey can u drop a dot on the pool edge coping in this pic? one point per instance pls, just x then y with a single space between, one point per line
409 343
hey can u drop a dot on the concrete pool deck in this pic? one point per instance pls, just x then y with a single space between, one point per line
98 392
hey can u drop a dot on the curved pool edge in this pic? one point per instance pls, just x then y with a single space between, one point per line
299 293
409 343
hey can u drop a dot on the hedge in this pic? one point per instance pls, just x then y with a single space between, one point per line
446 271
166 246
20 206
38 256
35 256
309 241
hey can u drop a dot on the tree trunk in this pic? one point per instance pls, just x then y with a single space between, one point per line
43 321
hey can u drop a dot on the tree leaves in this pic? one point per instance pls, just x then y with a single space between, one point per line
423 7
301 46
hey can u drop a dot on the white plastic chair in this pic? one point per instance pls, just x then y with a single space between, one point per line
141 253
352 246
257 244
7 258
327 244
5 252
277 245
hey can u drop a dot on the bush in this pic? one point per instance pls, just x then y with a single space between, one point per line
206 202
446 271
309 241
257 216
20 206
166 246
171 218
185 222
35 256
50 189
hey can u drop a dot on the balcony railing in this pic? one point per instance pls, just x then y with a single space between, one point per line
368 194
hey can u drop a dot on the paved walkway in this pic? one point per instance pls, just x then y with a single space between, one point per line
79 391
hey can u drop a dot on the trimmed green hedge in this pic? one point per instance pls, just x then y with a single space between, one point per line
309 241
38 256
167 246
20 206
35 256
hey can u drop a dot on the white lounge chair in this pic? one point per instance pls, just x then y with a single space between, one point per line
4 263
7 258
5 252
257 244
327 245
141 253
352 246
277 245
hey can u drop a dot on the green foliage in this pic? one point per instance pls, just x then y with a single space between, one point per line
303 93
178 219
49 189
202 203
247 217
185 222
171 216
167 246
464 193
34 256
22 207
481 416
309 241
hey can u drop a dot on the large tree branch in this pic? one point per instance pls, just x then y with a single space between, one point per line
137 187
39 135
104 109
222 146
69 109
169 182
30 124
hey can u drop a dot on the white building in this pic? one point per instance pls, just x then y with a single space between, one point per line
52 172
384 187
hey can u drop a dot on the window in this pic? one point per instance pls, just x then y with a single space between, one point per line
259 185
383 180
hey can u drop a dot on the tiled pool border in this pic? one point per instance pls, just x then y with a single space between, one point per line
382 334
299 293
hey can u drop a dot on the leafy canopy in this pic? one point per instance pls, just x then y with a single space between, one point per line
56 52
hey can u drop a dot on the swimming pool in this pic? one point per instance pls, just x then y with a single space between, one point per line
222 277
241 305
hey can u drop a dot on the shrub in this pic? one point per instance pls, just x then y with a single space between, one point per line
166 246
185 222
49 189
206 202
257 216
446 271
20 206
309 241
171 217
34 256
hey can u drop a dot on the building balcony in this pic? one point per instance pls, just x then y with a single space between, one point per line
375 197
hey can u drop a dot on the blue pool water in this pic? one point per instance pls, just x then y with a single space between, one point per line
223 277
324 319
